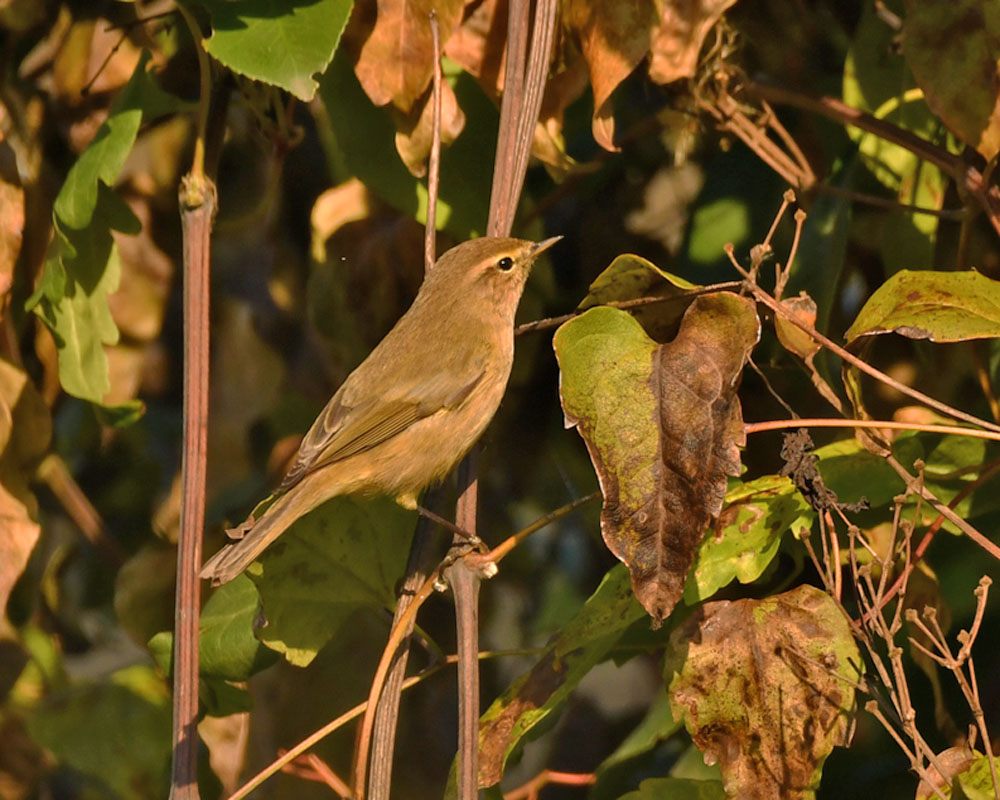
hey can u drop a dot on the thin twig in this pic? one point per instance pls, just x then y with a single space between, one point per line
625 305
765 299
833 422
434 167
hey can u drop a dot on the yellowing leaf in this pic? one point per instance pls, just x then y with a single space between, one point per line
766 689
663 427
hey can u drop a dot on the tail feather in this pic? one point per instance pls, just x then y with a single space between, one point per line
252 537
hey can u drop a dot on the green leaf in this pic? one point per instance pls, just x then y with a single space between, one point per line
346 555
677 789
658 725
229 648
953 51
976 781
629 277
877 79
747 534
584 642
766 688
82 267
663 427
284 43
939 306
361 142
116 732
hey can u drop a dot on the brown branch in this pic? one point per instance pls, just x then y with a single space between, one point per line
197 206
765 299
637 302
967 177
531 789
833 422
54 473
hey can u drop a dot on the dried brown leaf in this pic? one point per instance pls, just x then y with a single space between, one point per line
766 689
683 27
614 37
415 131
663 427
397 59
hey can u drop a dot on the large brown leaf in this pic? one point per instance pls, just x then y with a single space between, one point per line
397 59
663 426
766 689
614 36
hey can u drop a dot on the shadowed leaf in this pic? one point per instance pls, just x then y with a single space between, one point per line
345 555
663 427
117 732
629 277
954 51
677 789
940 306
614 37
765 687
25 430
583 642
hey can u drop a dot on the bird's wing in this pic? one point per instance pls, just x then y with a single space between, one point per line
343 430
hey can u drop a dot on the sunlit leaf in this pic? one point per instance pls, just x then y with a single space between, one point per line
285 43
747 534
663 427
939 306
346 555
766 688
677 789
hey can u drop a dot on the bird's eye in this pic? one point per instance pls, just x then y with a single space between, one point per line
506 263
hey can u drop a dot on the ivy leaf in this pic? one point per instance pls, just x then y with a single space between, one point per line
765 687
939 306
82 266
663 427
346 555
283 43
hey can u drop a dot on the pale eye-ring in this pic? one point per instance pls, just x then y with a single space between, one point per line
506 263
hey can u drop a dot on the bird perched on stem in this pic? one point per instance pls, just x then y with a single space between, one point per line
409 413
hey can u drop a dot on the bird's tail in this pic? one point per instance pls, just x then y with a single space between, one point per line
254 535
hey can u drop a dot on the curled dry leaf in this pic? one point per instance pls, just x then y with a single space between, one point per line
11 218
766 689
415 131
663 427
25 430
397 59
683 27
614 37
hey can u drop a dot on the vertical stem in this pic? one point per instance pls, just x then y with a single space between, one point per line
197 205
197 210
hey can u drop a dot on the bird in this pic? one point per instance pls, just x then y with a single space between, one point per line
405 417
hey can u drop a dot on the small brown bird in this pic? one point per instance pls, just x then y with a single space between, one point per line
409 413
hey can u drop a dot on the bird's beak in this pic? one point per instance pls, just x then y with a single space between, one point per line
541 247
